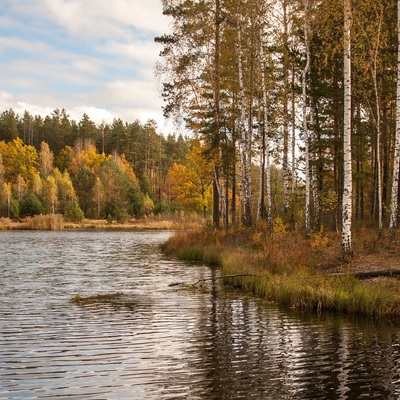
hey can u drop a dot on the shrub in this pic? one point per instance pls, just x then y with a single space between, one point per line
73 212
31 205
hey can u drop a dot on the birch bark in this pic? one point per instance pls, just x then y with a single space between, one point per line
347 170
285 164
396 165
314 173
266 140
245 145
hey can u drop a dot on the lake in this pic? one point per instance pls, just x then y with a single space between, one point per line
168 342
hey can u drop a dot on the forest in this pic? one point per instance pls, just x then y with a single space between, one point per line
308 86
118 171
291 112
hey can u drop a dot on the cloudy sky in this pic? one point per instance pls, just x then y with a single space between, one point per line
87 56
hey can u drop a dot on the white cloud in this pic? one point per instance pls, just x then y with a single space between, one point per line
94 56
137 93
29 46
104 18
141 51
97 115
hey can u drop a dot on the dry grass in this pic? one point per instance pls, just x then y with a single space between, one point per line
295 271
38 222
54 222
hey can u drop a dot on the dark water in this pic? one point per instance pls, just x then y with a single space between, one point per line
165 342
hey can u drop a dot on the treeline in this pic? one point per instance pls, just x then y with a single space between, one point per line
262 81
55 165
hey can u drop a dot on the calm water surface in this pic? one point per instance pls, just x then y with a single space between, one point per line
163 342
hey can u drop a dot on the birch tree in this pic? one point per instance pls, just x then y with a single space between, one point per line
396 164
46 158
347 168
265 171
285 163
245 142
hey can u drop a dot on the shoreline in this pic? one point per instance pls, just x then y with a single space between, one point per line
300 273
49 222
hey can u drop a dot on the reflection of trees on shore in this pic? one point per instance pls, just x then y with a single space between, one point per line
249 350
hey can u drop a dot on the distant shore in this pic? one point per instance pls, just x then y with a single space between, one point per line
55 222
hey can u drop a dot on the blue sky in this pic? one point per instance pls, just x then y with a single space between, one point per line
87 56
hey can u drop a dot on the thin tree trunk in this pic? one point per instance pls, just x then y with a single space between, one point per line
245 144
261 192
215 198
266 140
285 166
378 155
314 173
374 54
293 152
268 180
222 197
305 127
396 164
217 95
347 185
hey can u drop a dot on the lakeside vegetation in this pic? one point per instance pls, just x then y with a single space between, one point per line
57 222
299 272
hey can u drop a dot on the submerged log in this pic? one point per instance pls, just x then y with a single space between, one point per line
98 298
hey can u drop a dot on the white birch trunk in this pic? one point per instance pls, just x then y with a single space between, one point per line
266 143
285 164
374 53
305 127
268 178
294 174
396 165
347 181
293 139
245 143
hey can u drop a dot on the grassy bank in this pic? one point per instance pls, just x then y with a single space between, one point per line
297 272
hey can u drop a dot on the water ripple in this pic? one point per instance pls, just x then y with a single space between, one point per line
157 342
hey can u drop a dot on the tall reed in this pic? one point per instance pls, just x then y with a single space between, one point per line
52 222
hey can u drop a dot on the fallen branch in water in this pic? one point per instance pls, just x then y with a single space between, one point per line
211 279
222 277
